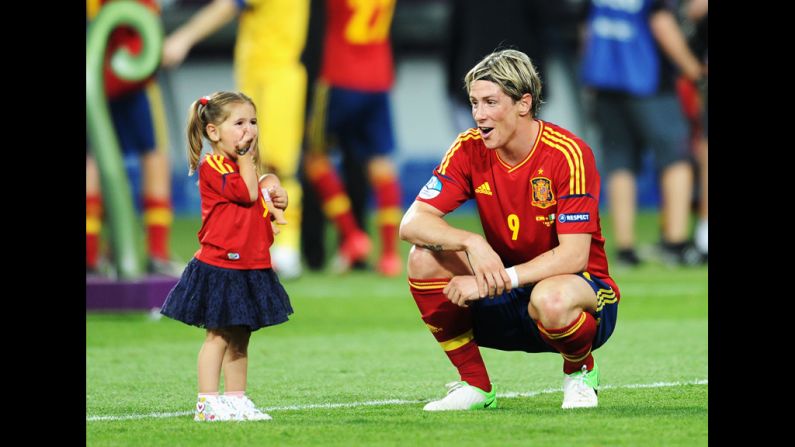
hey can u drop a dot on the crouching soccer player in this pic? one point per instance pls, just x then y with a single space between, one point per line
538 281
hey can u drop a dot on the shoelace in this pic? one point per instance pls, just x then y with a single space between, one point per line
582 387
452 386
248 406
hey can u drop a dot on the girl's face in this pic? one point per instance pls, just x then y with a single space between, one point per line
237 132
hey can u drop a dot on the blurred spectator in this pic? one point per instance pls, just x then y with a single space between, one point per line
138 119
695 98
351 107
354 175
516 24
270 38
629 55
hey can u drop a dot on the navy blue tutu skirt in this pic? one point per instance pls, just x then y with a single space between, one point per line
213 297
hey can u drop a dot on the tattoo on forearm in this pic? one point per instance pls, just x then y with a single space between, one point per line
432 247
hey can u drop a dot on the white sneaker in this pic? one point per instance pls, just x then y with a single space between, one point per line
244 409
702 236
286 261
463 396
211 409
579 388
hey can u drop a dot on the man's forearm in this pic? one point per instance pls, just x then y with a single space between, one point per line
432 232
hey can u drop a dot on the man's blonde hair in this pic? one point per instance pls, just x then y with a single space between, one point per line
513 71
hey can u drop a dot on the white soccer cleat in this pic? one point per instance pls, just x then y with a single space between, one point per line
243 409
286 261
580 388
463 396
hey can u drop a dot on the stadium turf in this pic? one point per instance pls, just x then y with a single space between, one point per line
355 364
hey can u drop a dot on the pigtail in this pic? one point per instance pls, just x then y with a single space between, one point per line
195 132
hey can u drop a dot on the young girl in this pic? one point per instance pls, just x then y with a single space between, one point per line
229 287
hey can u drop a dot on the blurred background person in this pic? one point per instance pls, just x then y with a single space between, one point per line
351 108
267 62
694 99
138 117
631 55
516 24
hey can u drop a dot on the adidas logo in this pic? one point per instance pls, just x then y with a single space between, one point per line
483 189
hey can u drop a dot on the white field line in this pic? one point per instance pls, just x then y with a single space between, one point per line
508 395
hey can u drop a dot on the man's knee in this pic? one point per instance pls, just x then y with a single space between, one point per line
552 305
423 264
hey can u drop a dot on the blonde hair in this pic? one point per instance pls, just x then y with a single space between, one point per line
513 71
212 109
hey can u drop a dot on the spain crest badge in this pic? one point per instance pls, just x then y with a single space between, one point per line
543 197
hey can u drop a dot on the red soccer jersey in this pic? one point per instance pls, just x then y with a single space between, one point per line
357 52
235 233
555 190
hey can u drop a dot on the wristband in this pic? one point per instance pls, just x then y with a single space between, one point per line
514 277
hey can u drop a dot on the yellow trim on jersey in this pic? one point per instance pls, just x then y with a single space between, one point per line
457 342
158 216
337 205
576 164
429 285
93 225
217 162
571 330
526 159
159 122
390 215
463 136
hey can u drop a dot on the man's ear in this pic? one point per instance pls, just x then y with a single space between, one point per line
525 104
213 132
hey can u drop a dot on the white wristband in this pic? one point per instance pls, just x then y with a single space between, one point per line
514 277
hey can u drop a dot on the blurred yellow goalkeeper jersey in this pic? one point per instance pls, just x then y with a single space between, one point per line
270 32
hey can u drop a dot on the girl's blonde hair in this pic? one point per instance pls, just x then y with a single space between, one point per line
513 71
212 109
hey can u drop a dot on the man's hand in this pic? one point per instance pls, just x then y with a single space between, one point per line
490 274
461 289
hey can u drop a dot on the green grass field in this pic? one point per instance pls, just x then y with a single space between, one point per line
355 364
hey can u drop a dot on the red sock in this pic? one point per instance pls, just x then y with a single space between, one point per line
93 228
387 197
157 219
336 203
452 327
573 342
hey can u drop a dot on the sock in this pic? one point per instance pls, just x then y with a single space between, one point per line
387 197
208 394
573 342
93 228
452 327
157 219
235 393
335 201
